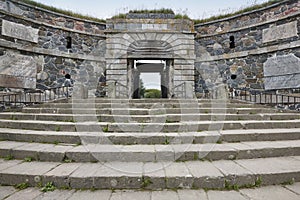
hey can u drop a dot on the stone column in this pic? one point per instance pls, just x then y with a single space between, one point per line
111 89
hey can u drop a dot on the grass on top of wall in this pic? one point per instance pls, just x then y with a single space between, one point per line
241 11
62 11
162 10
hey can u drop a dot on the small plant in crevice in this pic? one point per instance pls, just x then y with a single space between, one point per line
22 186
48 187
28 159
8 157
228 186
167 141
258 182
105 129
290 182
57 129
146 182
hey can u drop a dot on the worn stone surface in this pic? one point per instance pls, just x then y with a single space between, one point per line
270 192
29 193
17 71
6 191
19 31
223 195
103 194
280 32
282 72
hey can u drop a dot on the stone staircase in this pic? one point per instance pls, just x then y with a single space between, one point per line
151 144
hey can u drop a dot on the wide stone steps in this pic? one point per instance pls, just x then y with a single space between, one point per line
151 137
149 144
168 118
148 127
148 153
224 174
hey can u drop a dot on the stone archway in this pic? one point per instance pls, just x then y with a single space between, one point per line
130 40
150 50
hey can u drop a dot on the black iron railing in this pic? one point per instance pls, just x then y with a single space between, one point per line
18 99
290 101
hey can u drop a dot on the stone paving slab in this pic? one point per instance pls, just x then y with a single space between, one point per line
225 195
6 191
93 126
134 175
270 192
117 117
151 137
294 188
149 153
263 193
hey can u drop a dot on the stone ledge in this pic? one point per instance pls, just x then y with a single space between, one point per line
250 26
262 50
50 52
52 26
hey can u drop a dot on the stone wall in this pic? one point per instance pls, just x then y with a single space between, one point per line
45 16
43 36
258 36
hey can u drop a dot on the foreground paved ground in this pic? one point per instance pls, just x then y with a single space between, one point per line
288 192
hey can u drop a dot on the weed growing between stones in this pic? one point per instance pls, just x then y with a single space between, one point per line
22 186
48 187
146 182
8 157
290 182
167 141
57 129
228 186
28 159
105 129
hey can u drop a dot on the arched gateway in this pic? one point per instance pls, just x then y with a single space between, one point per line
144 43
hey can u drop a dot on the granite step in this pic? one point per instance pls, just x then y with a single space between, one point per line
146 105
224 174
151 137
276 192
143 111
146 118
186 126
94 152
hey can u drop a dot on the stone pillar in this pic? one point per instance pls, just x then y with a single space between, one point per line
111 89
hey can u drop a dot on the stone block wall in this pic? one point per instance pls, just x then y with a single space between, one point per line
257 36
43 36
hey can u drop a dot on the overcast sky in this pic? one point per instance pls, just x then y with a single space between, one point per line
196 9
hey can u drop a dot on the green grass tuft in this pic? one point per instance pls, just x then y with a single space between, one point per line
64 12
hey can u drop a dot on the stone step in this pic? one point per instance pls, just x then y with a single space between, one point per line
151 137
287 191
142 111
146 118
153 175
146 105
148 153
106 100
90 126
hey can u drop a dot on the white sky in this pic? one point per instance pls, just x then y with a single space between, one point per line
195 9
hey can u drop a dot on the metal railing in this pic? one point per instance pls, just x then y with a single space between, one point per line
284 101
26 97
